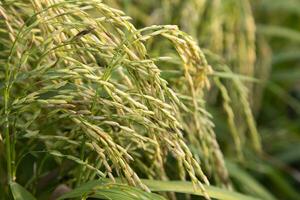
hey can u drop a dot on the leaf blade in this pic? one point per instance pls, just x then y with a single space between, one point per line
19 192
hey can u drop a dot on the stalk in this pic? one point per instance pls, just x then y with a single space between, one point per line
7 135
82 168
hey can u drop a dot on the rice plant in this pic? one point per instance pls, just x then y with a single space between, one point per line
126 100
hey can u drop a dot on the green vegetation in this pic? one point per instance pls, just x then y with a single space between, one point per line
161 99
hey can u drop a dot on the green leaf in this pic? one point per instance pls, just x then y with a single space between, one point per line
286 57
19 192
288 6
187 188
103 189
278 31
106 190
276 180
231 75
248 182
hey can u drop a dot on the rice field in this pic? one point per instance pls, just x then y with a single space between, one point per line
161 99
